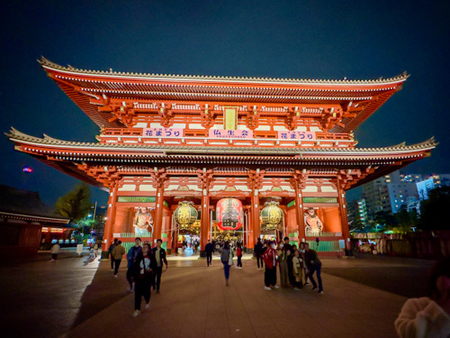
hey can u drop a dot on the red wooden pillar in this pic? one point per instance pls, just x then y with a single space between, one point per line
174 232
159 211
110 218
205 222
299 213
255 217
343 212
250 230
168 230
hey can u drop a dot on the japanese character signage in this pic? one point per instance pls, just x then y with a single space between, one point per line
163 132
297 135
221 133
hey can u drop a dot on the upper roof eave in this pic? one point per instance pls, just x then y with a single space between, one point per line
48 65
15 135
61 220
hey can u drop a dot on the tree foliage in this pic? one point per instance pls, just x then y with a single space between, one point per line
76 203
386 219
433 211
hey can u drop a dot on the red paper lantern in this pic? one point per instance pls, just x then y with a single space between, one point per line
229 214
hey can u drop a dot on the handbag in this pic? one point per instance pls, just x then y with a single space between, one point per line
230 258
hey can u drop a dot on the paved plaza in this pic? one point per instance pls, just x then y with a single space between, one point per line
69 299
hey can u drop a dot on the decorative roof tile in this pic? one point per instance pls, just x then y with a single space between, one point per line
47 63
15 135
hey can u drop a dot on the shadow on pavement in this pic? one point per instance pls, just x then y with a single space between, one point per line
104 290
406 277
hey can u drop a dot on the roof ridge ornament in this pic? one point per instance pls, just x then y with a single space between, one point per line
52 139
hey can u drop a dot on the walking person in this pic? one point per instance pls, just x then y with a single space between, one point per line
94 250
226 257
270 260
239 256
258 254
314 265
209 248
144 267
110 250
297 267
160 258
117 255
131 257
55 251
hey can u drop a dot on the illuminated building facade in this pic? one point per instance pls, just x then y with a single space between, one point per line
166 139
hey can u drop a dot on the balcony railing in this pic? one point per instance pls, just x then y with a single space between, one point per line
199 138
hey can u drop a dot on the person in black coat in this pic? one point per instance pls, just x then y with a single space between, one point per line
160 259
143 278
209 248
314 265
259 254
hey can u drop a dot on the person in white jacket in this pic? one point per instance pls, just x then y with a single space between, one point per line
55 251
428 317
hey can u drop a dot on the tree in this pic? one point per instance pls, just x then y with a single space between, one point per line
433 211
386 219
76 203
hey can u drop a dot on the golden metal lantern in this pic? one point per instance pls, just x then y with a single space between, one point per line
185 214
271 215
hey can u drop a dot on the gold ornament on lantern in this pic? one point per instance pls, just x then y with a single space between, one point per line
185 214
271 215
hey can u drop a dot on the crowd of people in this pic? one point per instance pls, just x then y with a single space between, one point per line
419 317
296 266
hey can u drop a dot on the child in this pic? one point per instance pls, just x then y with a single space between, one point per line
239 257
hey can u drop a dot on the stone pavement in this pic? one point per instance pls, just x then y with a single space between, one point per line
40 298
195 302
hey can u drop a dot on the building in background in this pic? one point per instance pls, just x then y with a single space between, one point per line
26 223
357 213
396 191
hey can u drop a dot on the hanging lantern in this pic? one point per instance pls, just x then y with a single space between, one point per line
185 214
271 215
230 214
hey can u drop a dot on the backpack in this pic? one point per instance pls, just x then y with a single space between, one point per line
225 255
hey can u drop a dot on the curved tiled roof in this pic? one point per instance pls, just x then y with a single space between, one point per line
16 202
83 86
47 63
68 156
15 135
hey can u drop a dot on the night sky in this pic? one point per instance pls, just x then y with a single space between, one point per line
287 39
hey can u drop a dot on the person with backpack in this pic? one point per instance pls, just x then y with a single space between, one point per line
117 255
226 258
110 250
